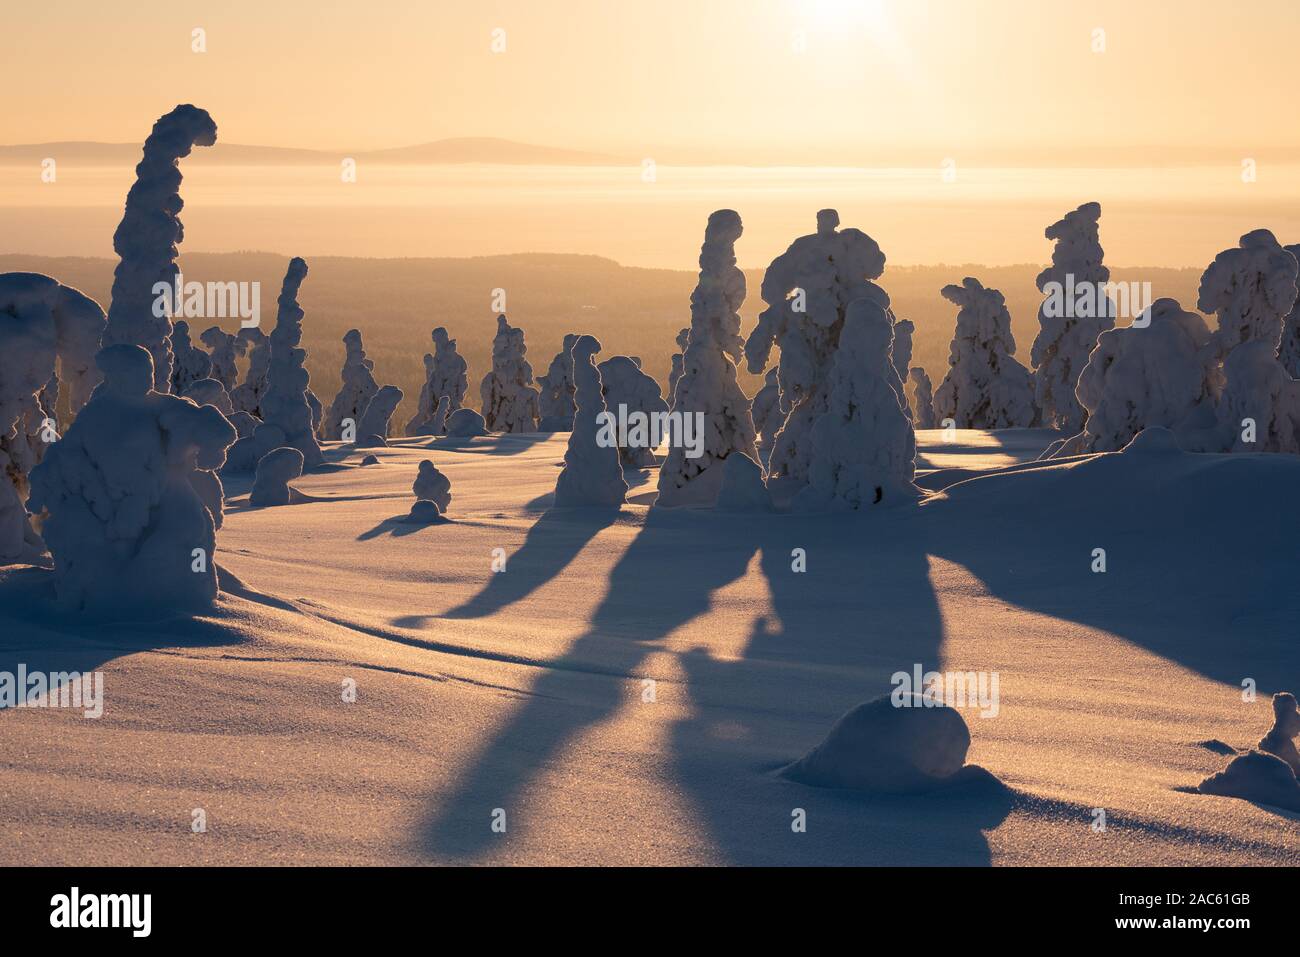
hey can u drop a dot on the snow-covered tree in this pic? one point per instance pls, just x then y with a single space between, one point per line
148 235
375 422
807 290
433 486
189 364
1251 288
1144 376
901 356
444 376
44 327
1259 410
247 396
767 414
592 475
125 495
1070 325
708 388
675 372
985 388
285 404
223 347
557 390
863 446
275 470
1288 350
625 385
210 392
358 388
510 401
922 399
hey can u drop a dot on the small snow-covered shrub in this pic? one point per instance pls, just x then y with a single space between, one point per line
592 475
276 469
432 485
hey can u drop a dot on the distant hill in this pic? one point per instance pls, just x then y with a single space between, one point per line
484 149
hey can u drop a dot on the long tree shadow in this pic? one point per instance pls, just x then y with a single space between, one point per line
863 609
664 580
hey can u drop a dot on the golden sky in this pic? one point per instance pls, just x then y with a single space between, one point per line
821 81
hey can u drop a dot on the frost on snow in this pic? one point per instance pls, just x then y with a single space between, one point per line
44 327
189 364
557 390
373 428
922 399
432 485
627 388
592 474
767 414
510 401
985 388
148 235
275 470
127 495
1065 341
863 447
807 290
708 382
358 388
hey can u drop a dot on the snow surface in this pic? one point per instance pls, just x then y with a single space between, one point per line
526 689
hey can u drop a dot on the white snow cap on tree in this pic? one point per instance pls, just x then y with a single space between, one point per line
807 290
922 399
985 388
1064 342
624 384
1288 350
433 486
708 382
285 404
768 414
189 364
125 490
373 428
358 388
863 445
41 323
592 475
675 372
510 401
148 235
247 396
1250 288
223 347
275 470
557 387
1144 376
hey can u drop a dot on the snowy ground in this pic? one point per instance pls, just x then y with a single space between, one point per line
524 690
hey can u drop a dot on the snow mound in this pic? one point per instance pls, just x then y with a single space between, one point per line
276 469
432 485
370 460
372 430
1155 440
424 512
626 386
879 746
742 488
210 392
465 423
1256 776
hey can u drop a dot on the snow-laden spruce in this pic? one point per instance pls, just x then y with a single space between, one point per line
510 401
807 290
1154 373
189 364
1069 326
1288 350
285 404
373 429
901 356
44 326
444 378
357 389
985 388
675 370
592 475
768 415
275 470
210 392
148 235
1259 409
247 396
922 399
557 390
1250 288
863 447
223 348
707 391
433 486
632 396
127 495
